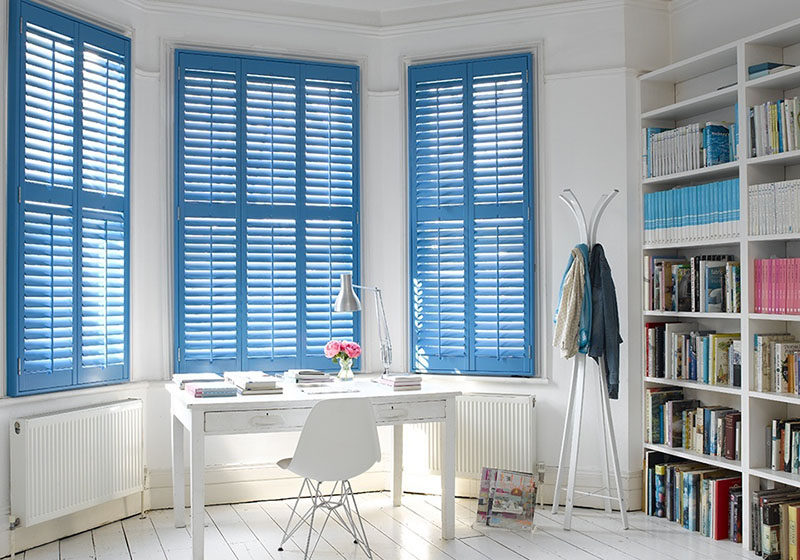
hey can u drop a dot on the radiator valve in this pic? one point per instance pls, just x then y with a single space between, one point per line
13 522
540 471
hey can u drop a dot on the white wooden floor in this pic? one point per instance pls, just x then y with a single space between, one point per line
252 532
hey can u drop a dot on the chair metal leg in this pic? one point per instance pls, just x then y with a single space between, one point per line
289 531
341 496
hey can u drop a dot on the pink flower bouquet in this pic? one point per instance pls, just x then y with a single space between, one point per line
343 352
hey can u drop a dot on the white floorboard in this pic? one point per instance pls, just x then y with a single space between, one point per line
253 532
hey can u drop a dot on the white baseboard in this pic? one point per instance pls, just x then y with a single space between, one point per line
247 483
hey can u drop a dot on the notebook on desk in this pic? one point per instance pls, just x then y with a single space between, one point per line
328 390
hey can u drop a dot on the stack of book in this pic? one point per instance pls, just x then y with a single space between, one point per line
672 420
686 148
401 382
766 68
777 363
210 389
774 127
777 286
696 496
308 376
181 379
708 211
774 523
684 351
253 382
705 283
774 208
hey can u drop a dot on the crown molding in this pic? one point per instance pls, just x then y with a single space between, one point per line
369 27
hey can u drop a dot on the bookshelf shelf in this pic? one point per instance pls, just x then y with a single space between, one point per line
694 385
725 97
693 314
704 173
778 237
696 243
698 65
720 462
776 397
783 158
777 476
774 317
788 79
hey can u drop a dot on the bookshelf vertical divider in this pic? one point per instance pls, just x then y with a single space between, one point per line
697 90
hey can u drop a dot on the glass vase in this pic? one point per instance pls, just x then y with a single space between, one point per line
345 369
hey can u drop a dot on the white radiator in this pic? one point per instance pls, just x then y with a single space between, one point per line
68 461
493 431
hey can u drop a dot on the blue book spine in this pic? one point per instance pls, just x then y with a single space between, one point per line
737 212
779 103
716 143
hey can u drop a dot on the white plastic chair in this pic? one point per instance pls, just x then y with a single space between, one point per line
339 441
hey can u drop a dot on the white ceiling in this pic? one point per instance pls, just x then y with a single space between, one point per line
366 12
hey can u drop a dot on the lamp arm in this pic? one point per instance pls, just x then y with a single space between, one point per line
383 327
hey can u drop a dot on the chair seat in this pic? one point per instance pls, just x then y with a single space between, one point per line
284 463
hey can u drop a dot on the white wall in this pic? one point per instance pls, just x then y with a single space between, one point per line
587 141
700 25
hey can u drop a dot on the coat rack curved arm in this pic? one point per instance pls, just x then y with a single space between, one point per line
597 213
568 197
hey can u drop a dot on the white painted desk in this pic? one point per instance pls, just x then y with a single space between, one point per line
287 413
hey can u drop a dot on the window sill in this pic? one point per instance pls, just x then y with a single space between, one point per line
6 401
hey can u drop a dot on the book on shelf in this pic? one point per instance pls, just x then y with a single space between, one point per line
766 68
763 366
774 208
703 283
696 496
686 148
181 379
770 522
694 213
776 287
680 351
774 127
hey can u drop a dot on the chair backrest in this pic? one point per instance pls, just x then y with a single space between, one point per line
339 440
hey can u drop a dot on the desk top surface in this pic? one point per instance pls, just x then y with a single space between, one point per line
295 397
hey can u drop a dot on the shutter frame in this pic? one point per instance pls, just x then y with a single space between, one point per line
256 212
25 195
493 112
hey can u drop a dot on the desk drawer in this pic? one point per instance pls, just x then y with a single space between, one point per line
254 421
409 412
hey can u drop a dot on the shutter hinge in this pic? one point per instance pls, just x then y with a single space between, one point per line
179 213
529 351
19 366
358 218
529 213
20 26
19 195
179 354
526 76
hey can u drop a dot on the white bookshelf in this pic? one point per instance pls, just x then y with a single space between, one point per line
710 87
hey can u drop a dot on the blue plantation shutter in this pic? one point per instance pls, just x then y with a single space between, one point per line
267 213
68 206
472 237
49 298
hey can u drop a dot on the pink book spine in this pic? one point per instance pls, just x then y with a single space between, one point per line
766 283
757 286
795 286
780 287
770 287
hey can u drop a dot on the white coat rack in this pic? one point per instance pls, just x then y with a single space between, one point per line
572 424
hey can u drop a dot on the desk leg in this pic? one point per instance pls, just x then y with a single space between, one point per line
198 485
449 471
397 465
178 482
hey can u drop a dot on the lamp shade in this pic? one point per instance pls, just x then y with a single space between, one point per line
346 300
